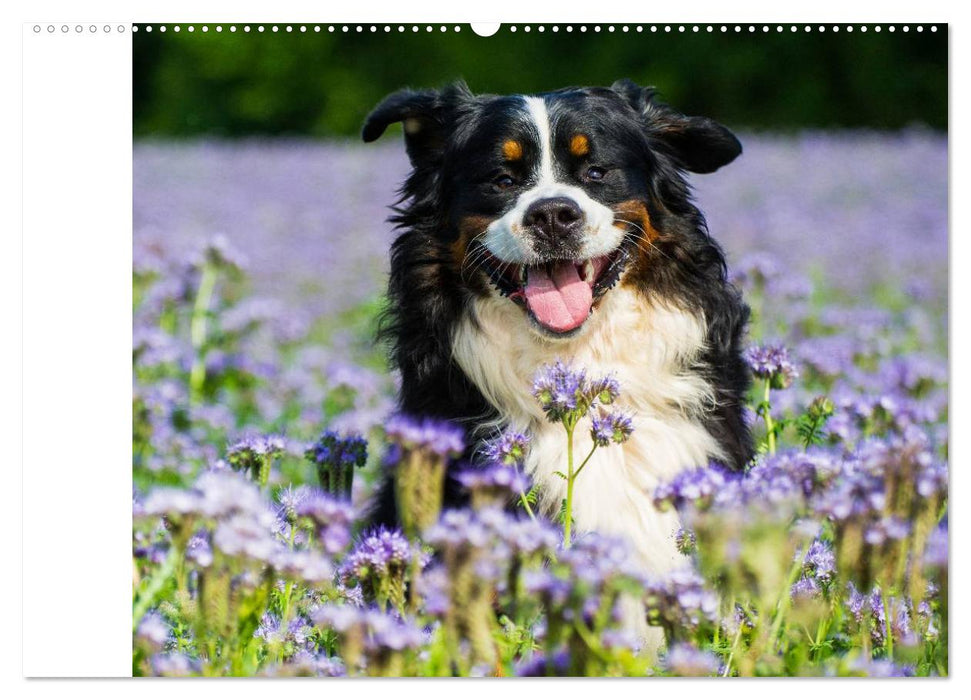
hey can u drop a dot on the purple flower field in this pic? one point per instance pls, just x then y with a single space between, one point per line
263 418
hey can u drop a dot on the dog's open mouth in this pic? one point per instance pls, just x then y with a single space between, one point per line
558 294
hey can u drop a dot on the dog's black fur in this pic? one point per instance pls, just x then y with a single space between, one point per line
450 137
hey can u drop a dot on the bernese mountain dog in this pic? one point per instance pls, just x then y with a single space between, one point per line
561 226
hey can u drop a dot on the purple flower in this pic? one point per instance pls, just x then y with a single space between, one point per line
199 549
458 528
604 390
772 362
333 520
563 390
256 445
377 553
153 631
870 609
333 450
253 455
560 389
509 448
335 458
496 482
679 601
175 664
887 529
306 663
877 668
806 588
539 665
819 562
377 630
611 427
685 541
695 488
686 660
436 436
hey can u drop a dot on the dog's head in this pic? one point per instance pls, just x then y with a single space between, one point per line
550 200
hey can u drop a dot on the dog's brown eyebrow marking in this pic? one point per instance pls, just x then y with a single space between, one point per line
512 150
579 145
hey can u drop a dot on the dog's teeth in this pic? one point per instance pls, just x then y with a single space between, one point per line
523 274
587 272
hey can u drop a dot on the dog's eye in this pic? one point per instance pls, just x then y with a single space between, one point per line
504 182
595 173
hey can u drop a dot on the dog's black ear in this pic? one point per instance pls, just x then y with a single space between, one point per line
698 144
426 115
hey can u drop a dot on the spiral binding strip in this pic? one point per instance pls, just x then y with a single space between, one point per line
513 28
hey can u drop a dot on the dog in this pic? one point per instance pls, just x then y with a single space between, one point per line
561 226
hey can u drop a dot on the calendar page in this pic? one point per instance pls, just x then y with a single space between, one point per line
600 349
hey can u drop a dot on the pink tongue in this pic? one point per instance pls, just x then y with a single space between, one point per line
560 301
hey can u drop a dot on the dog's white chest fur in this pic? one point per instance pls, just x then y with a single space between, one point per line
649 348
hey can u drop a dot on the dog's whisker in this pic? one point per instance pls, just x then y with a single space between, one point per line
640 241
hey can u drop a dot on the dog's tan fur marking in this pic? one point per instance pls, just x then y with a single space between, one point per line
512 150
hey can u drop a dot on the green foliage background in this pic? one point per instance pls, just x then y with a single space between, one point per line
322 84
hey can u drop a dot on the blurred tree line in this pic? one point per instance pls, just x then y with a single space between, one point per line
236 84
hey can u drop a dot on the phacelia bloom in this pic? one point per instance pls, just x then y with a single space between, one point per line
369 637
306 663
493 485
302 564
335 458
175 664
331 449
377 553
694 488
611 427
560 390
216 494
153 632
685 541
243 536
254 454
806 588
509 449
686 660
458 529
540 665
877 668
332 518
519 537
199 549
288 502
887 529
256 445
679 601
296 635
436 436
869 609
604 390
819 562
772 362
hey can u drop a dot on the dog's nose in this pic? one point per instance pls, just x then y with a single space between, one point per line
553 217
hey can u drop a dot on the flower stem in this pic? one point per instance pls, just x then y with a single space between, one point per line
785 601
585 460
570 478
198 330
769 423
